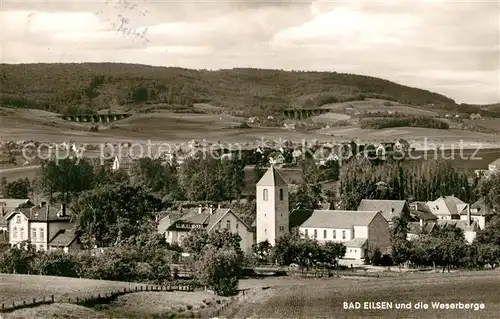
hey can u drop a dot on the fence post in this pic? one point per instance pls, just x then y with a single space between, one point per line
52 298
124 290
3 307
142 288
135 288
24 302
99 296
69 300
34 300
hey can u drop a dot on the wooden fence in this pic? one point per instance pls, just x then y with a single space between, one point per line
90 300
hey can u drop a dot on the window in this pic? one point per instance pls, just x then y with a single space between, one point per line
324 233
40 231
237 225
343 234
306 232
15 232
228 224
22 233
265 230
264 194
281 193
18 219
334 234
33 233
315 233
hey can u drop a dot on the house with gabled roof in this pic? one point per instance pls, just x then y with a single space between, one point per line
494 167
7 206
360 231
470 228
420 211
447 207
402 145
41 225
390 209
420 228
176 225
480 212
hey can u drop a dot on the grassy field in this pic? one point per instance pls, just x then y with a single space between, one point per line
16 288
376 105
324 298
489 123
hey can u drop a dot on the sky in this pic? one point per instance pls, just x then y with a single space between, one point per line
449 47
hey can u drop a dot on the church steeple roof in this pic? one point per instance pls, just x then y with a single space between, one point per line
272 178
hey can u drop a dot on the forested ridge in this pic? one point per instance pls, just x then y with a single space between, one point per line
90 87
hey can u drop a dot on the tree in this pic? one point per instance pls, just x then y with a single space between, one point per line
219 269
333 251
490 189
107 215
400 245
68 176
195 241
305 197
20 188
156 177
262 250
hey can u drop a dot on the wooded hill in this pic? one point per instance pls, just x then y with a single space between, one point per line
90 87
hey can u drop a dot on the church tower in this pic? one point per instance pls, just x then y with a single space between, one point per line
272 207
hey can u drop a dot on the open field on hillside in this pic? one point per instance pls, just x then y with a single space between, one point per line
16 288
158 127
330 117
416 136
325 298
490 123
375 105
10 174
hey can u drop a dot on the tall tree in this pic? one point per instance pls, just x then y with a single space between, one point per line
20 188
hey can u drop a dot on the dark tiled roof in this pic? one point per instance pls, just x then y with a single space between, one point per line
63 238
462 224
272 178
193 216
298 217
415 228
389 208
44 213
480 208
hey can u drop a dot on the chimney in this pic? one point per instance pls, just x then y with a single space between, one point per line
211 209
199 209
218 206
421 223
63 210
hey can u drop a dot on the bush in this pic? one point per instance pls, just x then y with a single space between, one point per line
56 263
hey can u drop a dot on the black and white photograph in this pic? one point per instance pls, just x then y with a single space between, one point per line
262 159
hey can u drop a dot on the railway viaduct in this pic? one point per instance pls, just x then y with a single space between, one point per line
96 118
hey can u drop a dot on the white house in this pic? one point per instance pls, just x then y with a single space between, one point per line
177 225
277 159
272 207
470 228
7 206
480 212
360 231
44 226
494 166
448 207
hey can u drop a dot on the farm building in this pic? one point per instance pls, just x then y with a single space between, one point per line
360 231
176 225
447 207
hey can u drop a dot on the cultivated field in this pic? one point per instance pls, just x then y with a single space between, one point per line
491 123
417 136
324 298
376 105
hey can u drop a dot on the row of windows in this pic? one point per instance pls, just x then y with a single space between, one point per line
265 194
20 232
325 234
